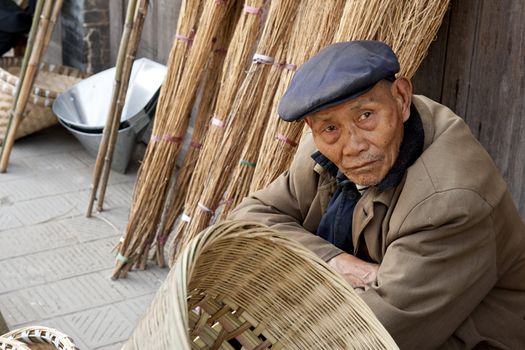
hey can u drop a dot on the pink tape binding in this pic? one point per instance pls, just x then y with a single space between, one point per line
286 140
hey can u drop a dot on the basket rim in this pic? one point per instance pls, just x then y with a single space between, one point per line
41 334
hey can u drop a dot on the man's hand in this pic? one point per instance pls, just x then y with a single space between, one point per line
359 273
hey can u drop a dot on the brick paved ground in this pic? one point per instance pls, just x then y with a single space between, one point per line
55 263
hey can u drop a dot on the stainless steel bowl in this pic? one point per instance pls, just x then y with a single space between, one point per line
83 109
86 105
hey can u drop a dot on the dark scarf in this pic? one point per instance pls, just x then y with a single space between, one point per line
336 223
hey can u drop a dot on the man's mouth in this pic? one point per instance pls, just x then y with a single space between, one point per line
360 166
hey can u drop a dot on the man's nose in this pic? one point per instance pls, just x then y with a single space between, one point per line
355 143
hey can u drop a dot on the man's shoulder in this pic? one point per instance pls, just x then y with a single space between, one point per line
453 160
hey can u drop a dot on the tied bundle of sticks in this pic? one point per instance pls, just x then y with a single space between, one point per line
217 87
166 141
44 19
135 15
180 179
314 28
217 159
408 26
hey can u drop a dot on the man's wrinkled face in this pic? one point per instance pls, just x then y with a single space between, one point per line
362 136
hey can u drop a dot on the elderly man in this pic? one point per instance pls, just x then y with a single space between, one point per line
395 193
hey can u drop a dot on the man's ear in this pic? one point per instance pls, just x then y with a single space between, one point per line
308 121
402 92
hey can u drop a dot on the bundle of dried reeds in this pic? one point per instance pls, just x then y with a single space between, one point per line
208 97
136 13
408 26
280 139
362 19
314 27
162 151
239 53
189 14
219 155
243 171
46 13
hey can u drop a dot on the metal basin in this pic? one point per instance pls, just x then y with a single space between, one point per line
83 109
124 147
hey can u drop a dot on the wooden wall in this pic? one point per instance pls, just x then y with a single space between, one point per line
476 66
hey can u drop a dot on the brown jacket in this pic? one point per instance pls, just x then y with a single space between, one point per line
449 239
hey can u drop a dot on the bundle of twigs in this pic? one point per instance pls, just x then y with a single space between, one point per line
165 144
222 155
410 27
239 52
398 23
242 172
314 27
208 97
136 13
44 19
189 14
362 20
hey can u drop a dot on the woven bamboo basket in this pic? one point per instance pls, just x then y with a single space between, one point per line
36 338
50 81
242 285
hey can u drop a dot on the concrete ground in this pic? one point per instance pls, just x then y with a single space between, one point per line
55 264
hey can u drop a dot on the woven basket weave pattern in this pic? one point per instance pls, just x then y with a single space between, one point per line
243 283
50 81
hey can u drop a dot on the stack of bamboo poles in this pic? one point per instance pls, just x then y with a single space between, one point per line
408 26
136 13
217 87
162 151
216 164
314 28
44 19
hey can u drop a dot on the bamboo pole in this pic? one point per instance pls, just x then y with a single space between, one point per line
52 21
134 40
26 81
110 119
233 71
217 160
25 61
162 151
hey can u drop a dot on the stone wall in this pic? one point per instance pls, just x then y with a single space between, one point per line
85 34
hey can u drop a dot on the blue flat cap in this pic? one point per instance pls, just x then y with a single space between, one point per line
336 74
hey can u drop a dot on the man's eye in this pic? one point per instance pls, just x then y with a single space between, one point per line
364 116
330 128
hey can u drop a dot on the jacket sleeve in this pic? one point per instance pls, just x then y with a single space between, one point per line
436 269
285 209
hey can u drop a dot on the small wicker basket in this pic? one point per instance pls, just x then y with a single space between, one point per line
243 285
50 81
36 338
